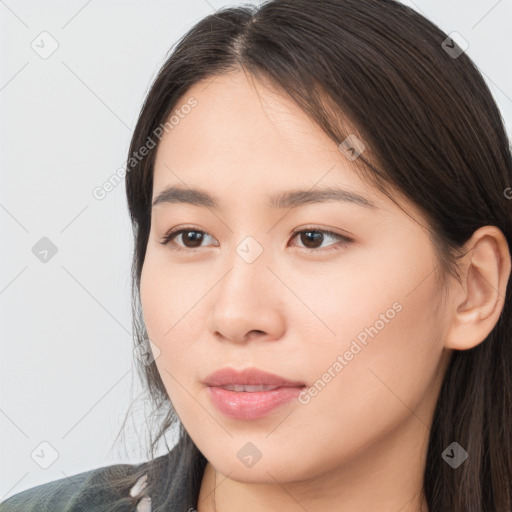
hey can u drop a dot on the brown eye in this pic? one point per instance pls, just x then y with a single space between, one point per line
190 238
313 239
194 238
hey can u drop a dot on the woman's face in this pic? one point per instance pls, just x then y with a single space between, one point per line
355 320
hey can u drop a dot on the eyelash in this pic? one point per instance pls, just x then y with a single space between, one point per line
343 239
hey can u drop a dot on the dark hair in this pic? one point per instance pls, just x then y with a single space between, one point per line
433 133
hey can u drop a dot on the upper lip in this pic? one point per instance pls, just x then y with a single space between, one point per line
248 376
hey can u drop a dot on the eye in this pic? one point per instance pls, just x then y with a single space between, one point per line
312 237
194 240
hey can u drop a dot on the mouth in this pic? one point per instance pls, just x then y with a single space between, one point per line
251 393
251 405
246 388
248 377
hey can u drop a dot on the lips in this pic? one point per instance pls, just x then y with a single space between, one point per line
249 389
248 377
250 394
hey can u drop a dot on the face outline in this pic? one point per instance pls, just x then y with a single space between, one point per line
289 312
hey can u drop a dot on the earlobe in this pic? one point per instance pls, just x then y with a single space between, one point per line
478 303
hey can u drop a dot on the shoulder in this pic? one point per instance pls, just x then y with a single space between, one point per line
173 478
89 490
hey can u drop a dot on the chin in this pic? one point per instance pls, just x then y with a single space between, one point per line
265 471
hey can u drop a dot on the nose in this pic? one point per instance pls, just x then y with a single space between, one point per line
248 303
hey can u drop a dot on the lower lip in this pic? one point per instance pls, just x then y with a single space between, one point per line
243 405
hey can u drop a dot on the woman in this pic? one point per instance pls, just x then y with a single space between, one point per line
320 196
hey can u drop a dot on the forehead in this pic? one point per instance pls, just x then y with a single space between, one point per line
242 136
235 114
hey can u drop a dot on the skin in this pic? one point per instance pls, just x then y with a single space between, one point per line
361 442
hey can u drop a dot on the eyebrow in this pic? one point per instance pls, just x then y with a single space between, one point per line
289 199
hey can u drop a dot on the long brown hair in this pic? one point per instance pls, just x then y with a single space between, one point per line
432 131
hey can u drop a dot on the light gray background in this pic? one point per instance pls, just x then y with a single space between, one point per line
66 121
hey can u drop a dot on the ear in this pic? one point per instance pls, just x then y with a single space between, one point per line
477 304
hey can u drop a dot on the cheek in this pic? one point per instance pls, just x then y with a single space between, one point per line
174 303
381 322
381 361
167 292
164 310
152 300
